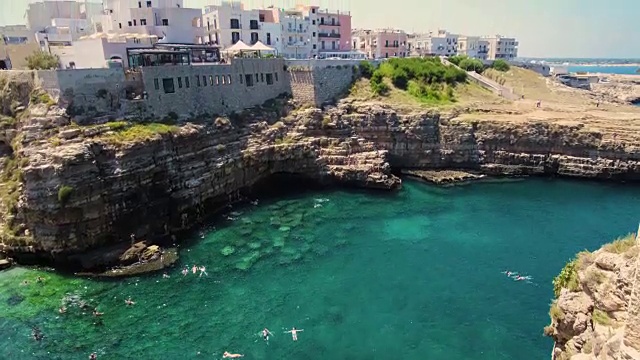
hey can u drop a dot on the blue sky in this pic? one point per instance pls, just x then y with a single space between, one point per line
545 28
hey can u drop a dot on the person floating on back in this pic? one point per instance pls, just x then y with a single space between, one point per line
129 302
231 356
294 333
265 334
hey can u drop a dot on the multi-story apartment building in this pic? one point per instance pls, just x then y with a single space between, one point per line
60 22
440 43
383 43
334 29
230 22
473 46
166 19
500 47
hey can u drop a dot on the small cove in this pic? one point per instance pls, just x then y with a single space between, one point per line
367 275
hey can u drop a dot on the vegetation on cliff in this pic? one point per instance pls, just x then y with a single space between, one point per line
426 79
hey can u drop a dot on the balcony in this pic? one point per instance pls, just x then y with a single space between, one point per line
329 24
329 35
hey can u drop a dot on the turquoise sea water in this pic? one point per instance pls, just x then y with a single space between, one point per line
625 70
411 275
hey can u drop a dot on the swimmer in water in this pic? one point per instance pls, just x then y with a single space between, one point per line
231 356
265 334
165 276
294 333
194 269
203 271
24 283
96 313
39 279
93 356
62 310
129 302
185 271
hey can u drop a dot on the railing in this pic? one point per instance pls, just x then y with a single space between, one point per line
328 24
329 35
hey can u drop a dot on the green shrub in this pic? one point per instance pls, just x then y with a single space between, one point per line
116 125
64 193
472 65
41 60
457 59
379 88
501 65
555 313
400 79
366 69
567 279
601 317
41 97
139 133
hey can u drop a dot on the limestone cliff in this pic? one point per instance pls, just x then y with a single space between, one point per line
76 188
597 311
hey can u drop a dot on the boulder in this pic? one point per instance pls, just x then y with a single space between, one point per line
5 264
608 261
133 254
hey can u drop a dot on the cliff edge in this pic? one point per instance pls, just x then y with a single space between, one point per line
596 313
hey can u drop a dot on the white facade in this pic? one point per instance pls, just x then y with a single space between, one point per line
228 23
40 14
440 43
473 47
95 52
166 19
501 47
299 35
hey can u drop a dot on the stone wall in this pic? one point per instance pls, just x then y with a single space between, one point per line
214 89
318 85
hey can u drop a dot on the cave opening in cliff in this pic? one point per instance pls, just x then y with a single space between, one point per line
281 184
635 102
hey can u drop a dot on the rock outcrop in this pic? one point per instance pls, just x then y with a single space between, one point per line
76 188
596 315
619 88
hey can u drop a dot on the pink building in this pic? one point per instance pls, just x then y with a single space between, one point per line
383 43
334 30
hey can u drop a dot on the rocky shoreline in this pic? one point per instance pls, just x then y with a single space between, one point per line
443 177
596 314
73 189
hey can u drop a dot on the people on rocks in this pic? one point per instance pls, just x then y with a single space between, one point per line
294 333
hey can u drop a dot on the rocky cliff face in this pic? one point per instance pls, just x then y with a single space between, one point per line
87 187
620 88
597 312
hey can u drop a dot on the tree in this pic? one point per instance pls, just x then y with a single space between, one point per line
472 65
366 69
501 65
41 60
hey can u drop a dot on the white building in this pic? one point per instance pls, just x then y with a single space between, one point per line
228 23
440 43
473 47
40 14
166 19
15 34
299 35
500 47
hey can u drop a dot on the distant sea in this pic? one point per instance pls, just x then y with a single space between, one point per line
594 65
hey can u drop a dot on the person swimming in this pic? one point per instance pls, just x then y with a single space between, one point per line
203 271
165 276
194 269
93 356
96 313
294 333
265 334
231 356
129 302
36 334
62 310
185 271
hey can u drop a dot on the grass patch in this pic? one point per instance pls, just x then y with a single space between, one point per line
7 121
41 97
587 348
555 313
139 132
594 276
584 259
621 244
601 317
117 125
567 279
285 140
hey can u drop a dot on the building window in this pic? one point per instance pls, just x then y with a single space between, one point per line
179 83
217 79
314 46
229 79
197 80
129 22
386 43
240 78
211 80
235 37
156 84
386 55
268 38
290 40
313 11
248 79
168 86
204 80
257 77
134 22
235 24
301 39
262 77
261 17
269 79
143 22
254 38
120 25
276 74
313 22
224 79
140 4
148 4
186 82
165 22
314 34
253 24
